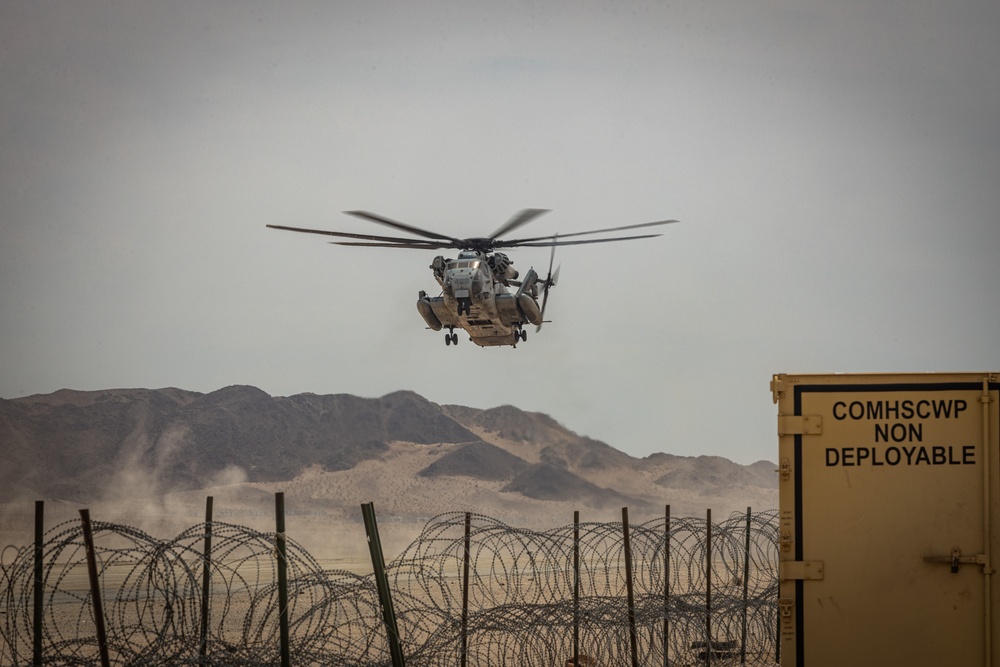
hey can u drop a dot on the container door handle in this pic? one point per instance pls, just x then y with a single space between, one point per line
955 558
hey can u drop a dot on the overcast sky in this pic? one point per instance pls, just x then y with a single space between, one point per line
835 167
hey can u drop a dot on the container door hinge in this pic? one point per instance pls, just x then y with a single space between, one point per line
786 540
777 388
800 424
779 384
801 570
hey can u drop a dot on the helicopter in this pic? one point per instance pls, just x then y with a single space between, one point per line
476 285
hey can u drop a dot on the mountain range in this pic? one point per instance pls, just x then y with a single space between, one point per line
412 457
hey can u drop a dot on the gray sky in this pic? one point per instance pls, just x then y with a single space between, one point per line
835 167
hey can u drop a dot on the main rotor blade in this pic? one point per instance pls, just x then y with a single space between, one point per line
399 225
519 219
415 244
596 231
546 244
347 235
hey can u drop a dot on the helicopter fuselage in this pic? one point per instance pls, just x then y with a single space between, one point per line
475 297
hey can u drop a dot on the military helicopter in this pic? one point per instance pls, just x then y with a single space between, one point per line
475 286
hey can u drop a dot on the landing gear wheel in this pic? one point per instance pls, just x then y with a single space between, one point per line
447 339
523 335
451 339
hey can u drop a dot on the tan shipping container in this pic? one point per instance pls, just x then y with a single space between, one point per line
890 519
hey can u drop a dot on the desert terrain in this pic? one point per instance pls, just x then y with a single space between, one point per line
149 458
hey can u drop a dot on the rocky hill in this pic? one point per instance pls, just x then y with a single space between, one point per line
412 457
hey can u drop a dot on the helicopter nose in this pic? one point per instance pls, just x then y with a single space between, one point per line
461 285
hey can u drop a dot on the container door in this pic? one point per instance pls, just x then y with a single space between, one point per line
887 489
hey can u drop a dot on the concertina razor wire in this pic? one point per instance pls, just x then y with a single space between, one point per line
521 608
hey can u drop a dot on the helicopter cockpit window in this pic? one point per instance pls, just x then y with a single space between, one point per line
465 264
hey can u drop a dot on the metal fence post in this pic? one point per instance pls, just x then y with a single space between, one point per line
633 639
576 588
382 583
746 591
279 517
206 582
708 589
666 588
95 589
465 590
36 654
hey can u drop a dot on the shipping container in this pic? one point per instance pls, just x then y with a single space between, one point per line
889 532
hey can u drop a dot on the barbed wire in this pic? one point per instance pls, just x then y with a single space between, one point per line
521 607
521 588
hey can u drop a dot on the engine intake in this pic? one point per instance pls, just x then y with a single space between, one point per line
500 264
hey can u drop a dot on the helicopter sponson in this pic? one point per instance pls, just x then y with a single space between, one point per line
504 328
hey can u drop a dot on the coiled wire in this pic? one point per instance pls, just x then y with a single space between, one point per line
525 598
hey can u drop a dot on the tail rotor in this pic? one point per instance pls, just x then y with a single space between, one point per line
550 281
